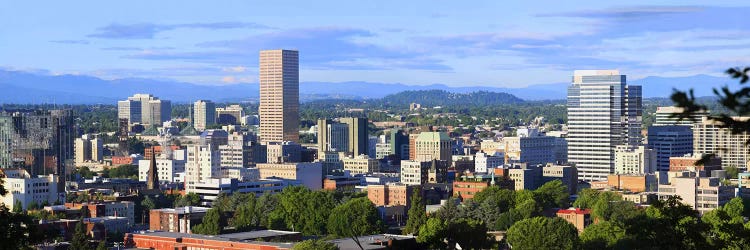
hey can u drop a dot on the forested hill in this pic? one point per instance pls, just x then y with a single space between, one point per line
431 98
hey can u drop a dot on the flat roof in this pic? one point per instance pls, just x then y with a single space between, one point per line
377 241
256 234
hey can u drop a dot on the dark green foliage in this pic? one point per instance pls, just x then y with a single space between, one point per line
416 214
732 172
80 239
586 198
17 230
355 218
543 233
315 245
190 199
553 194
122 171
136 146
85 172
603 235
102 245
212 223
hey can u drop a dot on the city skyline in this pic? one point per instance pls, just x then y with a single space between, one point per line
510 45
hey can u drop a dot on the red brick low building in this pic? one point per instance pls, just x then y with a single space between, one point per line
182 241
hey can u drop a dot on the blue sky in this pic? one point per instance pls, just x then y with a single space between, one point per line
458 43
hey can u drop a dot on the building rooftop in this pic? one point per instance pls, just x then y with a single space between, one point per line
256 234
574 211
184 210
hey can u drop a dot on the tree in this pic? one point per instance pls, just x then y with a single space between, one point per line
733 104
190 199
586 198
416 214
553 194
468 233
264 207
315 245
243 219
603 235
543 233
726 226
354 218
102 245
318 206
148 203
732 172
80 239
18 207
211 224
432 234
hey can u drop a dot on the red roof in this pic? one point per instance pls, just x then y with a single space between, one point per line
574 211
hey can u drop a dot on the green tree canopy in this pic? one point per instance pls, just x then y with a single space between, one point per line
354 218
416 214
80 239
212 223
315 245
543 233
603 235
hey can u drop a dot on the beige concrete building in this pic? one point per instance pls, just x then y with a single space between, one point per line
634 160
664 116
279 95
530 146
28 189
309 174
151 112
357 128
432 146
702 193
204 114
361 164
710 138
88 149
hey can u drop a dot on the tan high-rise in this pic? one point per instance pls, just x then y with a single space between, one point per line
279 95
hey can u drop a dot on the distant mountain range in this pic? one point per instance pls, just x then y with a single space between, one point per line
25 87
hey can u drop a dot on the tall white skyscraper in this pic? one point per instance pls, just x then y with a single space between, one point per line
204 114
603 113
145 109
279 95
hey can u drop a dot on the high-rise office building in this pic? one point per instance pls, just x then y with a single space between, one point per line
145 109
279 95
530 146
129 109
357 135
230 115
669 141
603 113
332 137
88 149
667 116
399 144
709 137
204 114
433 146
41 141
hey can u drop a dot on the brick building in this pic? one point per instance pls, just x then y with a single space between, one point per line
633 183
179 219
390 194
687 163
